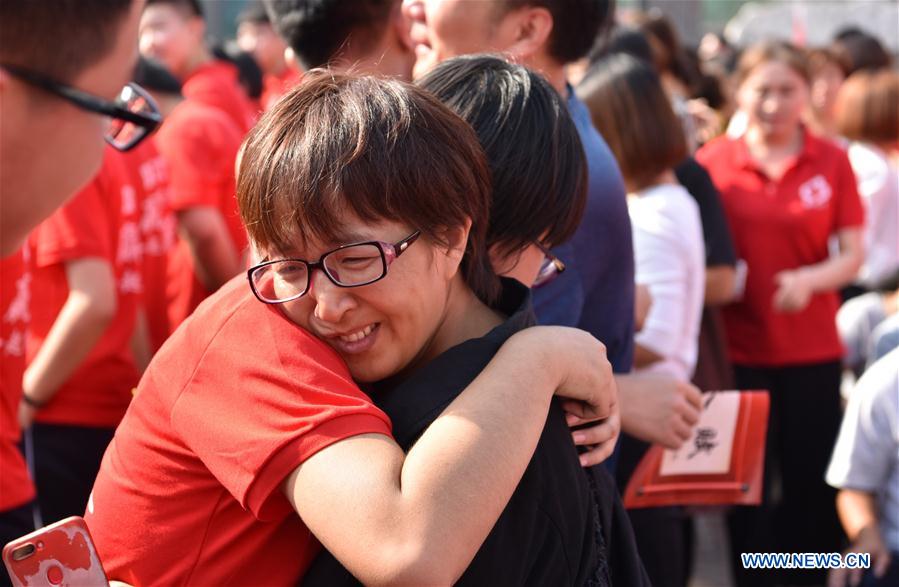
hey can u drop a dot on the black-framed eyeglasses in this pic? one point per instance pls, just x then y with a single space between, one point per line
354 265
134 114
550 269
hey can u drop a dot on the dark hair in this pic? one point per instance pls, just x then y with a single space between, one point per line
59 38
249 74
867 107
155 77
377 148
820 57
576 24
255 12
188 7
771 51
862 51
623 39
633 114
318 30
536 159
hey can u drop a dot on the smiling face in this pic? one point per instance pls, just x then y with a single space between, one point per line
389 326
773 96
441 29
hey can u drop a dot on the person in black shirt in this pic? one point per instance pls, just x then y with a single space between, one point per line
564 525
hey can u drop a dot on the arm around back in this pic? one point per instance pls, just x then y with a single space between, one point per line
419 518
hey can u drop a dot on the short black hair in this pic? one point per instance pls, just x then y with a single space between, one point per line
190 7
254 12
249 74
862 51
317 30
622 39
576 24
59 38
536 159
155 77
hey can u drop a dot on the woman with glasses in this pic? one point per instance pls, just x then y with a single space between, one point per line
368 202
556 528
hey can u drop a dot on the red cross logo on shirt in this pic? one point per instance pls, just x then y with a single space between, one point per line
815 192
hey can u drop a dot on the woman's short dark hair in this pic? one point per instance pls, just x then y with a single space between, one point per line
536 159
376 148
633 114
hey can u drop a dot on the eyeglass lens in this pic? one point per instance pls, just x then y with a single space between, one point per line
121 133
548 271
350 266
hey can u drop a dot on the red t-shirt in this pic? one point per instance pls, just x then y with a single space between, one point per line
780 225
101 221
158 229
189 491
216 84
275 86
200 145
16 487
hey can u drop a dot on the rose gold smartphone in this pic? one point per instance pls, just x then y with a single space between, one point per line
59 554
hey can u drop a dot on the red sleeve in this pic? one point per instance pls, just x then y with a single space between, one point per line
254 412
79 229
200 159
849 209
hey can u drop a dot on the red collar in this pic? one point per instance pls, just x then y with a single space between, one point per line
811 148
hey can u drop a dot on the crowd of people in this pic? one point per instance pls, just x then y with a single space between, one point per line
402 291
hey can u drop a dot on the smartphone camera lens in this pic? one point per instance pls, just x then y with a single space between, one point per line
23 552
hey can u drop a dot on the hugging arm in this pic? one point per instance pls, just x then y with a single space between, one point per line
420 518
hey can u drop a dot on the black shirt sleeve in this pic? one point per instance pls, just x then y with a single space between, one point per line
719 246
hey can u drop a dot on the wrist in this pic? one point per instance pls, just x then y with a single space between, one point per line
535 352
33 403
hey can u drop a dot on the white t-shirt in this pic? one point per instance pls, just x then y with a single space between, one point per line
866 456
670 261
878 186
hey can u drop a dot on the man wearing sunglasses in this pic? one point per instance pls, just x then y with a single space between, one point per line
62 67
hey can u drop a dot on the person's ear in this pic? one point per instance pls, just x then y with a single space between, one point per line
532 28
455 241
291 59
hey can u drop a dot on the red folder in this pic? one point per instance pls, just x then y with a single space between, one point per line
663 477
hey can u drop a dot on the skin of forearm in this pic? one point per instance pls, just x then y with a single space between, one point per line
839 270
857 511
421 518
643 357
73 335
216 260
719 284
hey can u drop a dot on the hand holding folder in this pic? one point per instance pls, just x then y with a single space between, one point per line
721 464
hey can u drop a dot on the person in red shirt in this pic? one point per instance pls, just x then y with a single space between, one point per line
158 223
16 489
200 146
88 45
786 193
87 282
248 436
173 31
256 36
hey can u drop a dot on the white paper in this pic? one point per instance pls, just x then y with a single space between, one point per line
708 451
